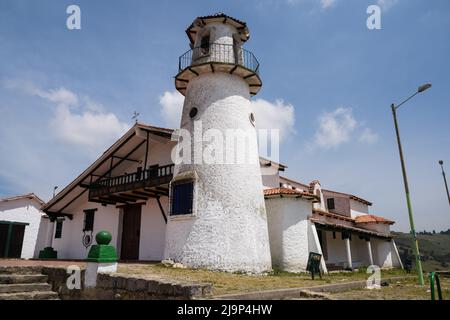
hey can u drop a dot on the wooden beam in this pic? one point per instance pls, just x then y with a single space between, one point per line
132 160
146 152
193 71
102 201
162 210
133 196
234 68
118 199
249 76
162 193
147 194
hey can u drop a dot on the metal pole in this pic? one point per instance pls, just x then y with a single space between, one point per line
408 201
445 180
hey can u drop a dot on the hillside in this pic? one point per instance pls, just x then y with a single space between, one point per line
434 249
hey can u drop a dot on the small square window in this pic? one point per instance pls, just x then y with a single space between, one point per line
330 204
182 198
89 219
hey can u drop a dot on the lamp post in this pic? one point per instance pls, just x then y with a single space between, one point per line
405 181
54 190
445 179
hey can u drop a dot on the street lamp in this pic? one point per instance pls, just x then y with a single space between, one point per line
54 190
405 181
445 179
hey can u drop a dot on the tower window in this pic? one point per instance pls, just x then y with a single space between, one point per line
193 112
204 44
330 204
182 198
58 231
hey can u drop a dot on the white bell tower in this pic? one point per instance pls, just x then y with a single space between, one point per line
217 211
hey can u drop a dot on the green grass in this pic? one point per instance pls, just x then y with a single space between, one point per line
399 290
227 283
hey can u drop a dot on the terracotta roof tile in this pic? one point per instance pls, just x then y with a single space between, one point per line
24 196
370 218
287 191
333 215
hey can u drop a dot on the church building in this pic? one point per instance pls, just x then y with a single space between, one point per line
238 216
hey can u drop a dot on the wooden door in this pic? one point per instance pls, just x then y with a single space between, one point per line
3 238
15 248
131 231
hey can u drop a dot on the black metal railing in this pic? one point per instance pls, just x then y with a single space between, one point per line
217 52
153 176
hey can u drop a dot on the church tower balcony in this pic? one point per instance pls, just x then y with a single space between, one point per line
216 46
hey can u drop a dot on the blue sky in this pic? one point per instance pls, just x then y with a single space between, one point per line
328 83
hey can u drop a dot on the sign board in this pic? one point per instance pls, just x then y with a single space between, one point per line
313 265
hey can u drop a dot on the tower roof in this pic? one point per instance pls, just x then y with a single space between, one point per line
217 17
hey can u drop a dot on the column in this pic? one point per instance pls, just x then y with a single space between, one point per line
369 250
50 232
349 252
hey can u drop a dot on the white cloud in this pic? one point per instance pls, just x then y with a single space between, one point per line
339 127
386 4
268 115
171 107
335 128
93 130
77 121
60 96
368 136
324 4
278 115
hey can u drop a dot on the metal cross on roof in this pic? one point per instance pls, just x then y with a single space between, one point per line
135 116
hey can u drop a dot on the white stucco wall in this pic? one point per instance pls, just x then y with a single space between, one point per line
153 230
385 255
27 211
288 232
70 246
357 208
270 177
360 253
336 253
153 226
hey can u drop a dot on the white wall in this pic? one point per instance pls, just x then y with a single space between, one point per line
336 252
288 232
70 246
357 208
270 177
385 255
27 211
153 230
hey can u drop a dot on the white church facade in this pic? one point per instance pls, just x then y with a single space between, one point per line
221 216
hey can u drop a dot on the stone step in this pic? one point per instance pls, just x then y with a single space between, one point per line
24 287
20 270
32 295
22 278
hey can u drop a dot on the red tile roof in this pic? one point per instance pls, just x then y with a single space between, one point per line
24 196
287 191
333 215
370 218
